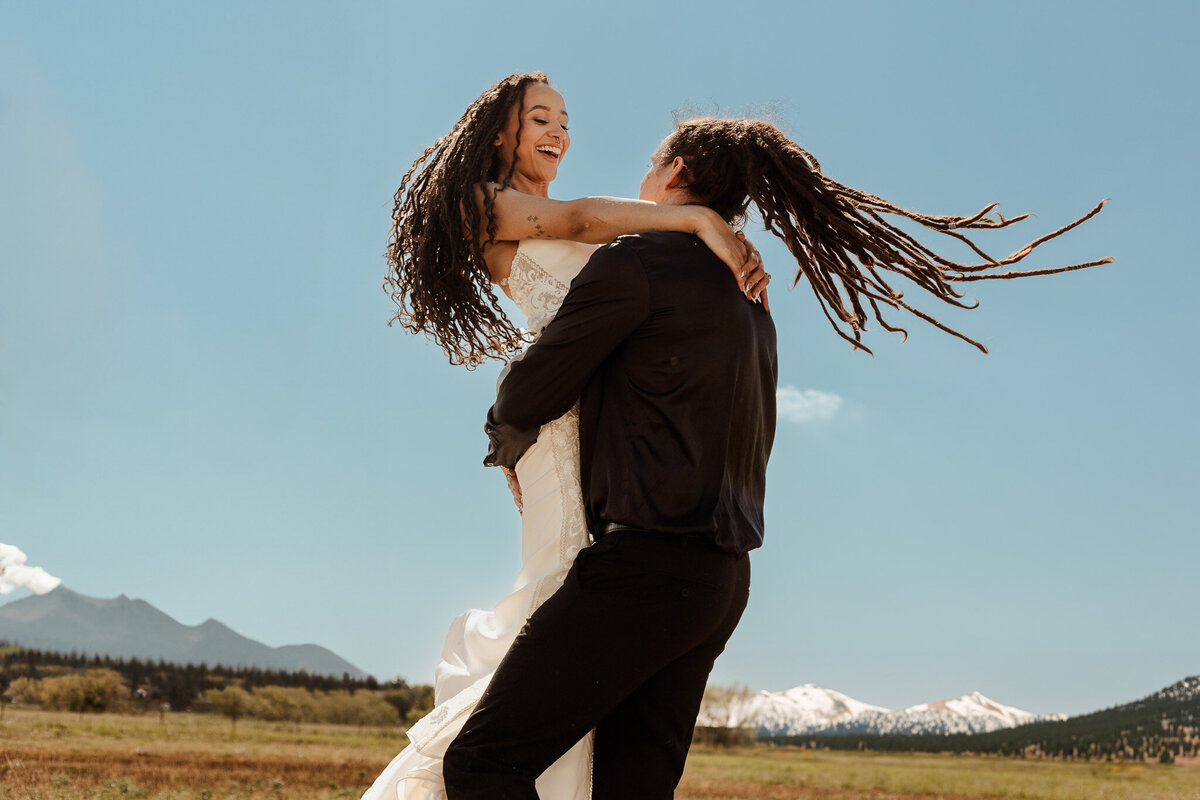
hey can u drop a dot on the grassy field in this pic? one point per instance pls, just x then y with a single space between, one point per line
60 756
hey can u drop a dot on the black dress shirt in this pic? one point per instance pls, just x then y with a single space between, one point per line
675 372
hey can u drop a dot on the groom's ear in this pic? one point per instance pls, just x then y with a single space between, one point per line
677 177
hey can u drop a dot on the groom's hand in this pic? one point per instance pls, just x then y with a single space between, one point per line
506 443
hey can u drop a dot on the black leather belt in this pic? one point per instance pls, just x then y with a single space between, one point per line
682 539
616 527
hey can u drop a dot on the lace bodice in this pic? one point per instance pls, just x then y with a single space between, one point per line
541 274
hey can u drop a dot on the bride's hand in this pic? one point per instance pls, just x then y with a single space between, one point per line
758 277
738 254
514 486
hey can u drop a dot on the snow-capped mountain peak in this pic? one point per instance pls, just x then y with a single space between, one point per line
810 709
975 705
827 702
806 706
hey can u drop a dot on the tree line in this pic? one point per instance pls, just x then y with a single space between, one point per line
82 682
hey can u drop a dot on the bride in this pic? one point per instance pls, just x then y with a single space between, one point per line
503 153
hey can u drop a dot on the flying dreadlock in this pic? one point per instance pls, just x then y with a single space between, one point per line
837 234
436 272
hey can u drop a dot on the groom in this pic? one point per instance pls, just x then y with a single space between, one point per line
675 374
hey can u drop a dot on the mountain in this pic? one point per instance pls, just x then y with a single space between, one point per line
65 620
1187 691
801 709
1162 726
809 709
971 713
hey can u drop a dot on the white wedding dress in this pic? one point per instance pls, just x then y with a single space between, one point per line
553 530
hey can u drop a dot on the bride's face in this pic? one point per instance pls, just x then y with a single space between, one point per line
544 137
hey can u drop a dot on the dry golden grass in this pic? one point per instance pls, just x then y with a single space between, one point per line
58 756
786 774
39 771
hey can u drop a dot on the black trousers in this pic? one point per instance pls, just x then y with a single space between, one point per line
625 647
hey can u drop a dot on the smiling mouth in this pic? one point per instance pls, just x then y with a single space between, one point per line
550 151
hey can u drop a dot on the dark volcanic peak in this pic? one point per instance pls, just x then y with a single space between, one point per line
65 620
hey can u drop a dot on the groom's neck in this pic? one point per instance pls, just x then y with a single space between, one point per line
680 197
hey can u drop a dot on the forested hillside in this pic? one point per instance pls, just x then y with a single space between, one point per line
84 683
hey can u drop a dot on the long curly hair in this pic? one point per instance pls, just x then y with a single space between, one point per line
838 235
436 274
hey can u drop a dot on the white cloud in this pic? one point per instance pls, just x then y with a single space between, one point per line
806 405
15 575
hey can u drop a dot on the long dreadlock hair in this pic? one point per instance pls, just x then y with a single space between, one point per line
436 272
838 235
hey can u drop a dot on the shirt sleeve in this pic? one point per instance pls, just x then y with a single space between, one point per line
607 301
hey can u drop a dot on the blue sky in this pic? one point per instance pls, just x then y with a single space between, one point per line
201 403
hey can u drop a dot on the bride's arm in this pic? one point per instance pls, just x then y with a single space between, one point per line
598 220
